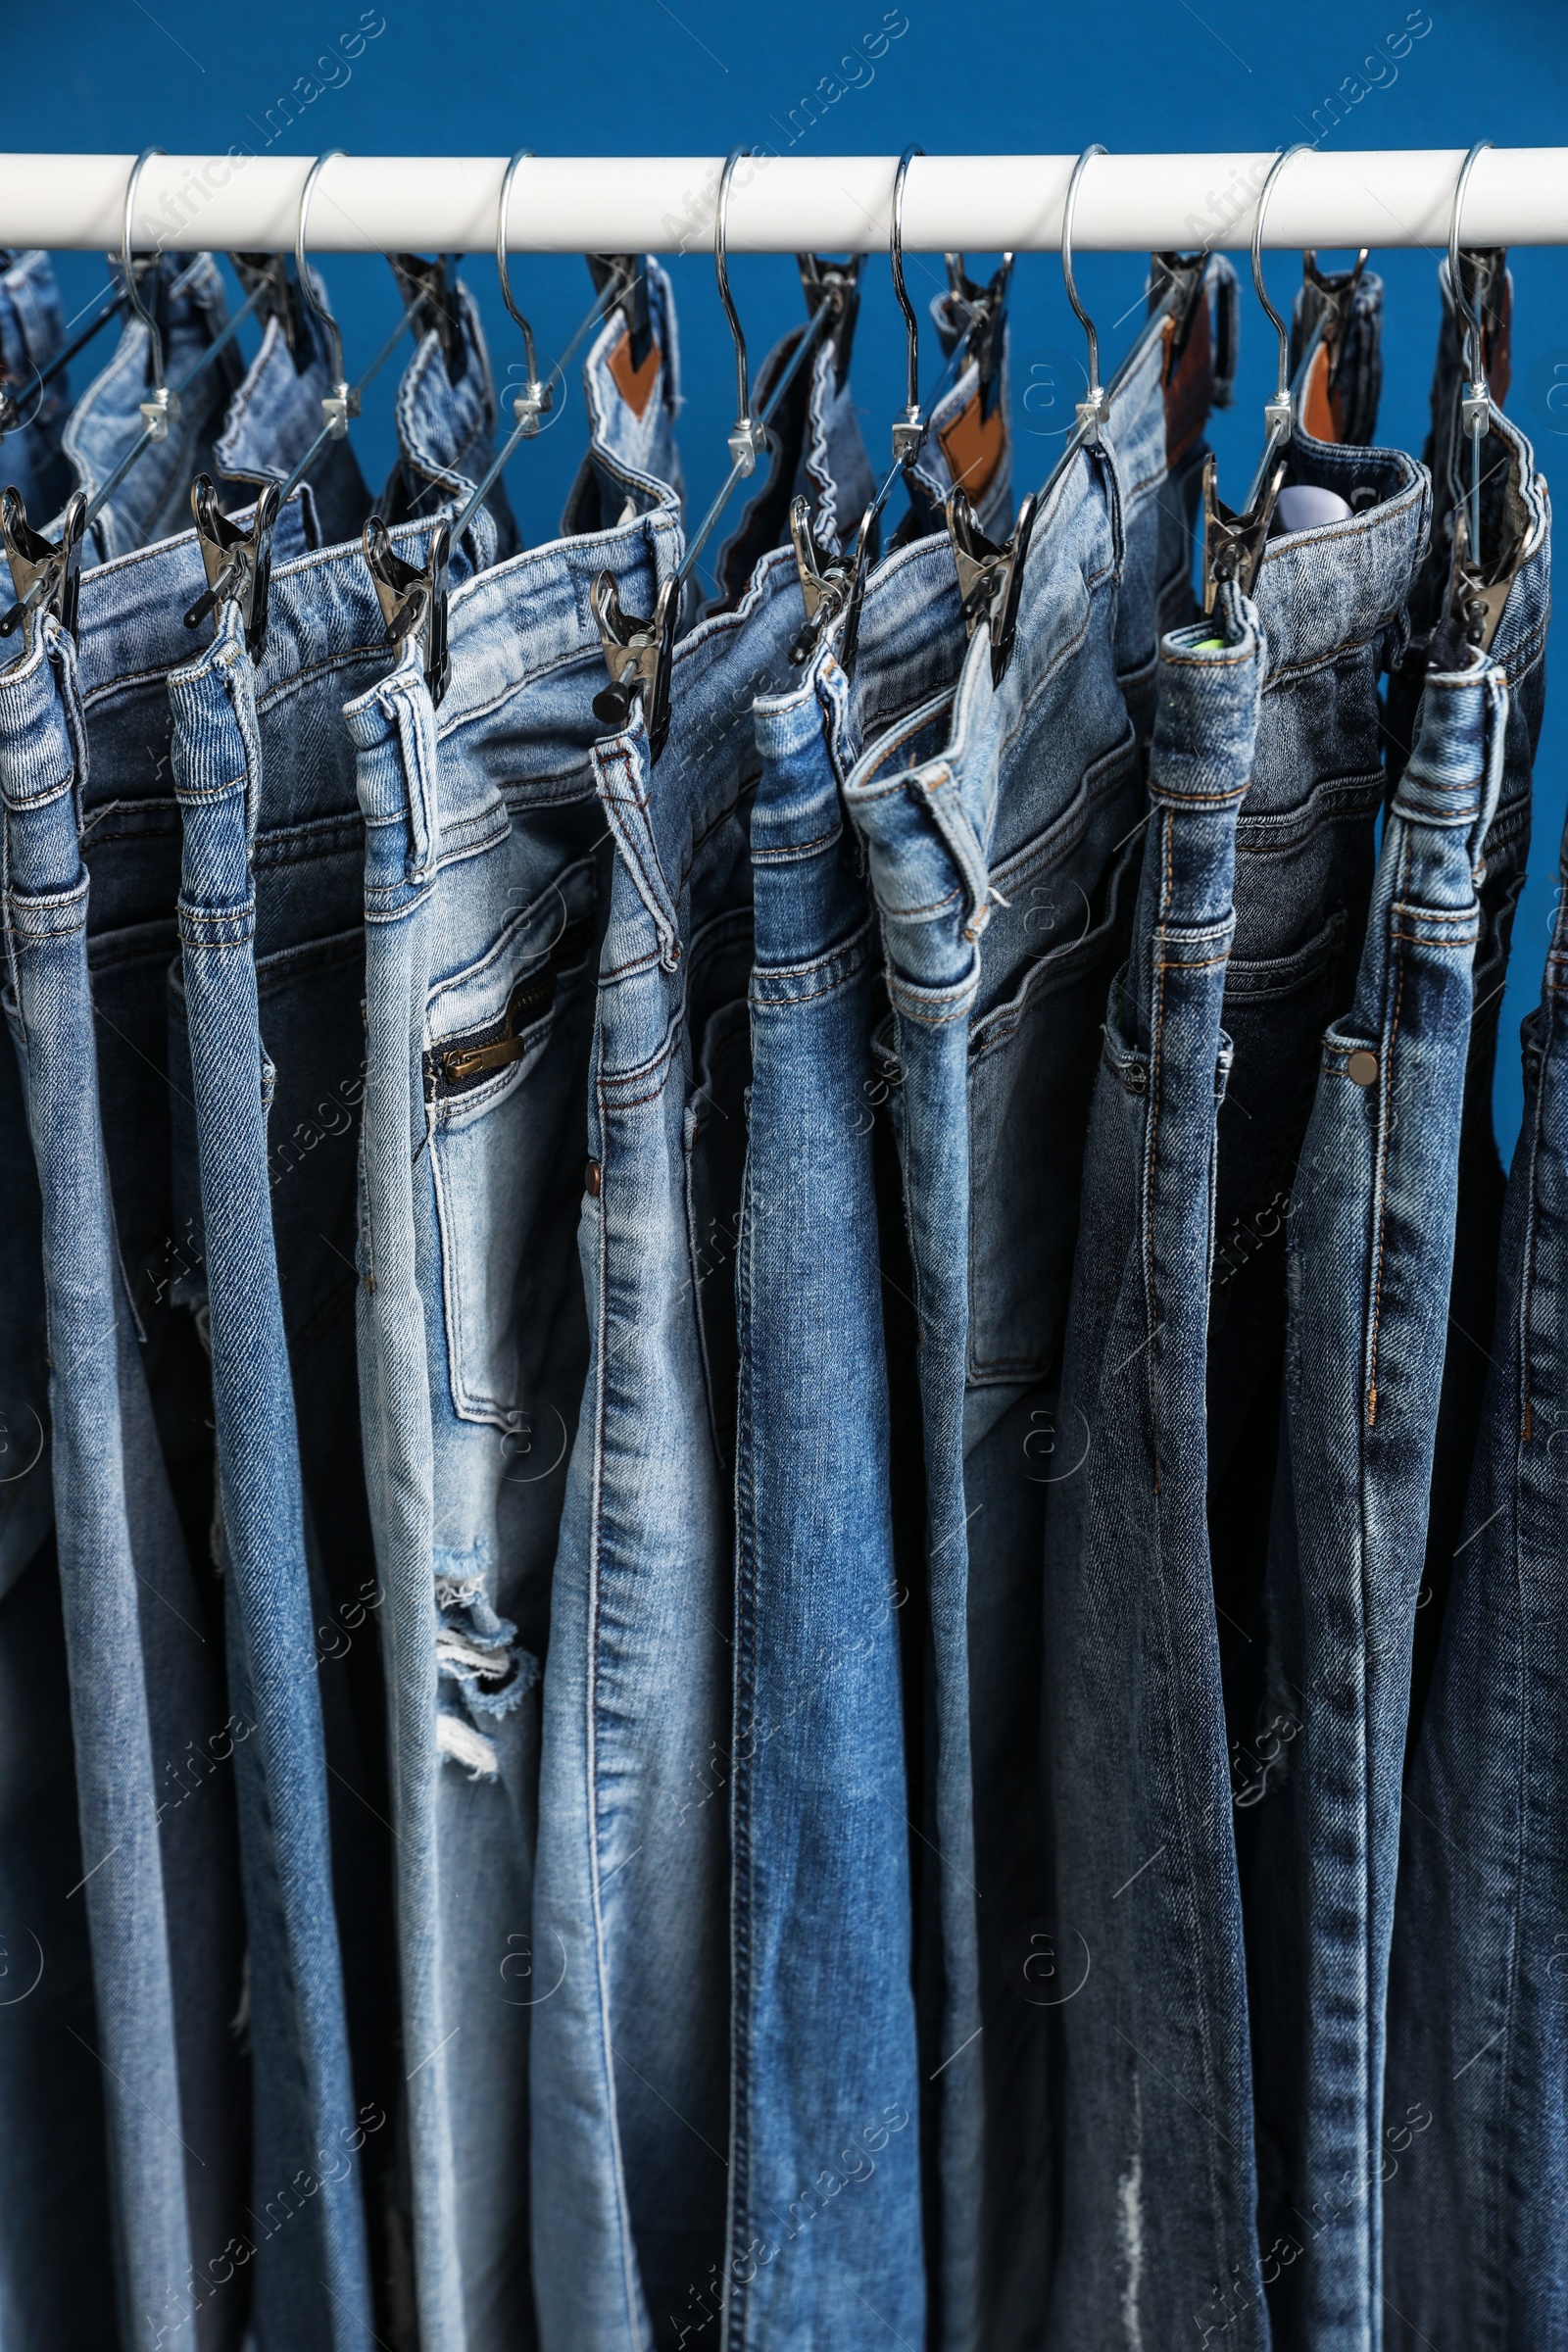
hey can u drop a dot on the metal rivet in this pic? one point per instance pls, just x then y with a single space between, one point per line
1362 1068
593 1179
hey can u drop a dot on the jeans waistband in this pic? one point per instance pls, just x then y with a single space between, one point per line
1346 583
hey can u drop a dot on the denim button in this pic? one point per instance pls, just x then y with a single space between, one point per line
1362 1068
593 1180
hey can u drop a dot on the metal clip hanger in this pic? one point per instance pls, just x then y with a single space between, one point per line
910 428
237 559
838 284
429 292
1176 283
160 408
832 588
1234 539
1093 410
640 652
412 597
990 575
1475 404
640 657
986 309
45 573
236 555
280 299
621 282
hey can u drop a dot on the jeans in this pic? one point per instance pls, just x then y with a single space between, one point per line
630 2092
154 499
825 2079
1140 1972
485 875
1474 2139
1023 829
1332 602
31 332
815 451
1519 645
305 2121
147 1700
446 417
277 414
1369 1250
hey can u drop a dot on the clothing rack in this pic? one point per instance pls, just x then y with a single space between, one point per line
240 202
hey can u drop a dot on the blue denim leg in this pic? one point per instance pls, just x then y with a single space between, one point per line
1142 1965
1475 2128
305 2121
825 2220
485 873
1370 1249
145 1677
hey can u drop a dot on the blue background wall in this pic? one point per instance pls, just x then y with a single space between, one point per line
697 77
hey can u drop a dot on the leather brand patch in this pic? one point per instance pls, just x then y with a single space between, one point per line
635 384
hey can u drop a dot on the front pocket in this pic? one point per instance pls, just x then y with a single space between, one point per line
506 1082
1032 1063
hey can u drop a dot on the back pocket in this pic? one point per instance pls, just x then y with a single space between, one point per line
505 1077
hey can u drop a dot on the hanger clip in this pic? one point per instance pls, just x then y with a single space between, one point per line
45 573
430 289
412 597
237 559
982 312
281 300
1232 544
639 655
837 286
631 301
990 577
832 588
1478 592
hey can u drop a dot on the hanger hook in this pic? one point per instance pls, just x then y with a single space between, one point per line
133 290
909 430
1467 311
333 338
1090 410
1276 412
533 391
749 436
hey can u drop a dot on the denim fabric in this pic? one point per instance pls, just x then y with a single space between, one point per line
1332 602
304 2098
485 875
1369 1250
146 1692
1520 646
826 2225
817 452
1475 2132
631 2078
1195 374
324 621
632 405
968 444
154 499
1143 1967
1025 828
1339 402
1445 455
446 431
31 335
275 416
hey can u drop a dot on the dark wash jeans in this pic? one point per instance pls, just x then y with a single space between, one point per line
1370 1248
1477 2125
1141 1968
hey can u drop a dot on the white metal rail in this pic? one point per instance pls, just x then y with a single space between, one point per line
782 204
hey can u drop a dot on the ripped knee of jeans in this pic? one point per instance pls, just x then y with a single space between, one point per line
484 1673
